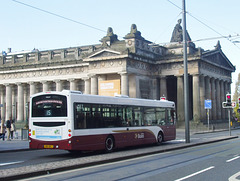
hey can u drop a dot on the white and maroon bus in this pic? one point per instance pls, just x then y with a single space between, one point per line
74 121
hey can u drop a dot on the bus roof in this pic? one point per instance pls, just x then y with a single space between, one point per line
77 96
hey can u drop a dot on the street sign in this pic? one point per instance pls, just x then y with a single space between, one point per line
208 104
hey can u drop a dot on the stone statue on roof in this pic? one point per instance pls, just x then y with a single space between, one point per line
109 38
177 35
134 33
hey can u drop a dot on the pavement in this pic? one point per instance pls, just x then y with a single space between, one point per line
16 145
13 145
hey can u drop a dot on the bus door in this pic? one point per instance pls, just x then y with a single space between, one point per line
137 135
169 125
129 123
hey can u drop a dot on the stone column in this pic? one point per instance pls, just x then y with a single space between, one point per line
94 85
222 95
25 103
196 98
180 99
8 101
203 115
73 84
58 85
87 88
14 102
218 100
32 88
163 87
213 94
20 106
208 88
124 84
45 86
2 102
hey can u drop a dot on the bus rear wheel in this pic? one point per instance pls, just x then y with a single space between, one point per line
109 144
159 138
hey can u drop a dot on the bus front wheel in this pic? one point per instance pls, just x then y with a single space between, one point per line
109 144
159 138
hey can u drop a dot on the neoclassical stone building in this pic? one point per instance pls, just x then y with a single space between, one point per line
142 69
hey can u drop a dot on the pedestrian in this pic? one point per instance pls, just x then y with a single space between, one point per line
8 125
2 130
13 128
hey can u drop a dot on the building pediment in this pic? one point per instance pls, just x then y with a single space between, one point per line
104 54
218 58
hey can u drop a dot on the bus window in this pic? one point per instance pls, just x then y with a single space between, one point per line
161 116
49 105
137 114
129 116
79 117
112 115
120 116
170 116
149 116
96 116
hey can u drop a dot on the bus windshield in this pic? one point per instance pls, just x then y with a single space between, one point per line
50 105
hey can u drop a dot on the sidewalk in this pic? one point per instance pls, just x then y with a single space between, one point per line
13 145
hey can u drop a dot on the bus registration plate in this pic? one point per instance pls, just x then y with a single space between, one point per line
48 146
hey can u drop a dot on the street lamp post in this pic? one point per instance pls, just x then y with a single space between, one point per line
186 90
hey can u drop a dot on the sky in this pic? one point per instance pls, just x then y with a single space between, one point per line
53 24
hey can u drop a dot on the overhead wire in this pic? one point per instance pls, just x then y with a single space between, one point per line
174 4
222 36
59 16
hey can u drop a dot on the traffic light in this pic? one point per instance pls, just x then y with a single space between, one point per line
228 99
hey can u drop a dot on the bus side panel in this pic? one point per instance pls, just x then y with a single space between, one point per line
122 139
88 142
169 132
132 137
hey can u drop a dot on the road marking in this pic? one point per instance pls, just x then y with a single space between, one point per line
196 173
10 163
233 159
234 177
